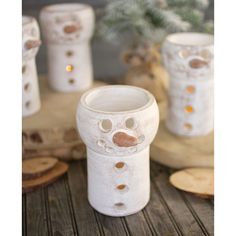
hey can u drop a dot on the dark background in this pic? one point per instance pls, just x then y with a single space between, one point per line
106 62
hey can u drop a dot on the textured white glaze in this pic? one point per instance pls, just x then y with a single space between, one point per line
188 58
118 104
30 46
180 49
67 29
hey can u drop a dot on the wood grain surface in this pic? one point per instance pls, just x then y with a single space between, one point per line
194 180
46 179
63 209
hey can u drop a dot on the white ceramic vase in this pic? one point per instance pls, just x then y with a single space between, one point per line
67 29
188 58
117 123
30 45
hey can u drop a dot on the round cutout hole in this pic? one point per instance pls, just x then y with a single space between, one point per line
189 109
27 87
190 89
69 53
71 81
119 165
120 206
23 69
101 143
130 123
121 187
188 126
69 68
205 54
109 149
184 54
28 104
105 125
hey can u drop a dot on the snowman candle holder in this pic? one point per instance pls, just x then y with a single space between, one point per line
67 29
30 46
188 58
117 123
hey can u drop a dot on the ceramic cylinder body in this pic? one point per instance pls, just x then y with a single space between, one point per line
117 124
30 45
188 58
67 29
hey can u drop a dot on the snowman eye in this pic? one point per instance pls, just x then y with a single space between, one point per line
105 125
184 54
130 123
206 54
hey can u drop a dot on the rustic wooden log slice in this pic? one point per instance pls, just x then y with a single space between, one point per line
199 181
37 167
59 169
76 152
54 126
181 152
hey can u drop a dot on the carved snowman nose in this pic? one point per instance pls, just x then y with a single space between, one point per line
197 63
70 29
32 44
122 139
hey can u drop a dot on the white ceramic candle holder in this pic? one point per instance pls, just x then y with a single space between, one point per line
188 58
30 45
67 29
117 123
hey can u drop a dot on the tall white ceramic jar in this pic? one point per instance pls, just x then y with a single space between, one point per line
188 58
67 29
30 46
117 124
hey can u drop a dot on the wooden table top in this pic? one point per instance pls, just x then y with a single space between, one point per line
62 209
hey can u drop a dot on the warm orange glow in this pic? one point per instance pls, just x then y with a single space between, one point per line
121 186
120 165
190 89
189 109
69 68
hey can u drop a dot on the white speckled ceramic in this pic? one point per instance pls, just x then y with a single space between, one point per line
188 58
30 45
117 124
67 29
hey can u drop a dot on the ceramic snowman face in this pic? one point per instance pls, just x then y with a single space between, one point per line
67 23
30 37
119 121
188 56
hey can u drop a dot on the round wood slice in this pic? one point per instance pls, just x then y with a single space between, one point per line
58 170
181 152
37 167
199 181
54 126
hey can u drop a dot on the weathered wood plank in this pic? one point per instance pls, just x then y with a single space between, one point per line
60 212
63 209
112 225
84 214
202 211
157 214
137 224
37 224
177 207
24 222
